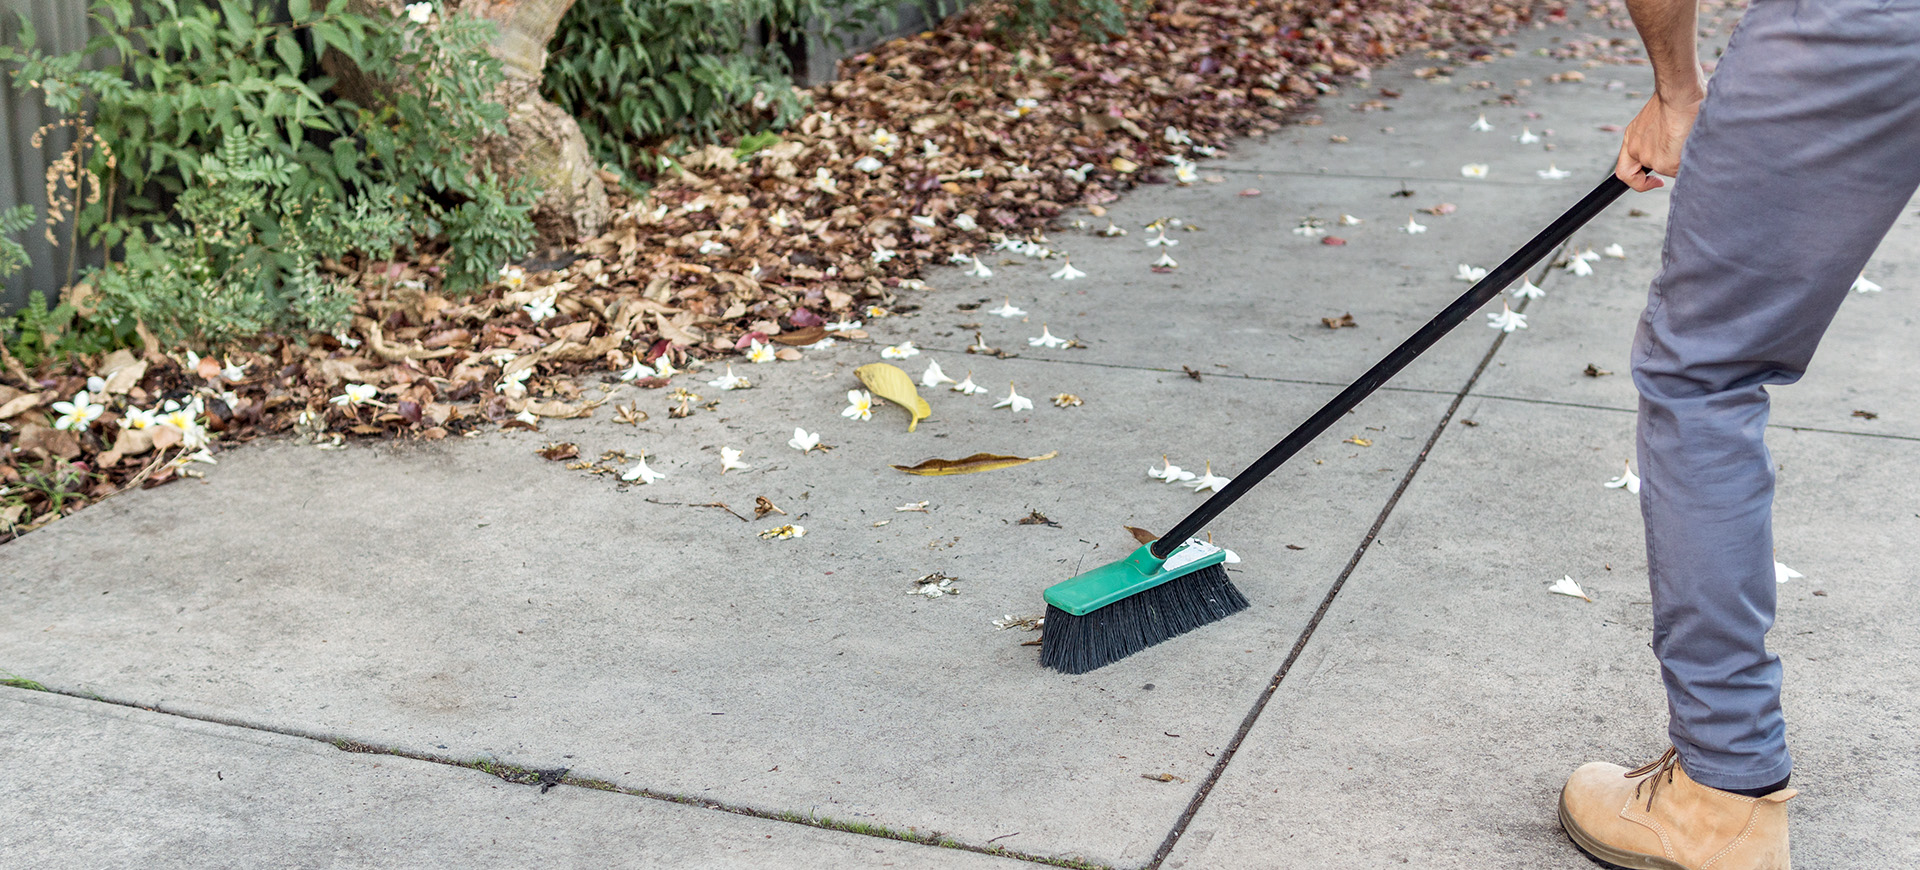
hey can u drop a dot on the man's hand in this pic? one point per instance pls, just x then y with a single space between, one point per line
1654 139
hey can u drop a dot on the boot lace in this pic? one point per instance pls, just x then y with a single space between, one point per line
1662 770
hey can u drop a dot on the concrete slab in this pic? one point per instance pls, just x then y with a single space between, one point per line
1447 694
182 793
461 600
1249 294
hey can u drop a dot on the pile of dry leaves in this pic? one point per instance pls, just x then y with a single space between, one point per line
929 149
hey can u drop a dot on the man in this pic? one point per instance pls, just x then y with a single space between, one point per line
1797 160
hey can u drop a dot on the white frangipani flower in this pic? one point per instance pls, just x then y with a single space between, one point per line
1046 339
1580 267
1067 272
1176 136
1413 227
882 255
1112 229
1185 174
1526 136
1310 228
529 418
1553 173
823 181
1171 473
641 472
965 223
967 387
1615 251
933 376
1210 481
540 309
1166 261
1162 239
638 371
759 352
1566 586
134 418
513 276
663 368
711 246
1507 320
97 385
419 13
841 325
859 405
730 460
1006 309
79 413
1589 255
1469 273
1627 479
868 164
1079 173
730 381
1022 106
979 269
1527 290
1782 573
803 440
884 141
1481 126
1474 170
1862 285
1014 401
924 220
928 149
362 394
1347 220
902 350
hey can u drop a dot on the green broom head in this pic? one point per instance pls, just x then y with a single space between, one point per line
1121 608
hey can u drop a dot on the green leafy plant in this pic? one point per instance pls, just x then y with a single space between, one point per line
647 75
243 169
1098 20
36 333
13 256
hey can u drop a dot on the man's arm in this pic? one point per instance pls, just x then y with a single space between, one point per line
1654 138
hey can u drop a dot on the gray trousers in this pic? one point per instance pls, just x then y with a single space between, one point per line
1806 150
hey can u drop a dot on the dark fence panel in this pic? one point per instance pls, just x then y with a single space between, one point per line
62 26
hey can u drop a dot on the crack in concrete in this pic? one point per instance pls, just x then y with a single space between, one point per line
520 775
1326 601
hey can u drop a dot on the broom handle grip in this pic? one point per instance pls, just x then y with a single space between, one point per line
1442 323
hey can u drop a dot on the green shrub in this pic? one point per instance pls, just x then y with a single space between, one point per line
13 255
1098 20
241 173
638 73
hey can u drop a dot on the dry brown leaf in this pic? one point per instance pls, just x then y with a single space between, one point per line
762 506
23 403
978 462
1141 535
1344 320
801 337
558 450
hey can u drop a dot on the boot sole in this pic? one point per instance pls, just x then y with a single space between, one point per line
1605 855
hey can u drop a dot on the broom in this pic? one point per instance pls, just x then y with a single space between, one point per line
1177 583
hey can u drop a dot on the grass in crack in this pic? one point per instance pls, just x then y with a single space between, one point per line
15 681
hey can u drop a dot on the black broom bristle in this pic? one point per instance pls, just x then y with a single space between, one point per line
1078 644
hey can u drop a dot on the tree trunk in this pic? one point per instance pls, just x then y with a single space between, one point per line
542 143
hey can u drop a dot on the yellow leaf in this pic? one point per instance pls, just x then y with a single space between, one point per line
896 386
976 462
1363 442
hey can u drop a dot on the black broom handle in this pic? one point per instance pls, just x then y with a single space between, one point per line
1442 323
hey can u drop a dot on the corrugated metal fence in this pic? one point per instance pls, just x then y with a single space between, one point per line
62 27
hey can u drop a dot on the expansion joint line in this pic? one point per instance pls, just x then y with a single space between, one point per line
1326 602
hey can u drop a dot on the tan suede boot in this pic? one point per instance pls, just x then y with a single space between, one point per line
1656 818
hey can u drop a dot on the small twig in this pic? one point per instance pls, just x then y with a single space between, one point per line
711 504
